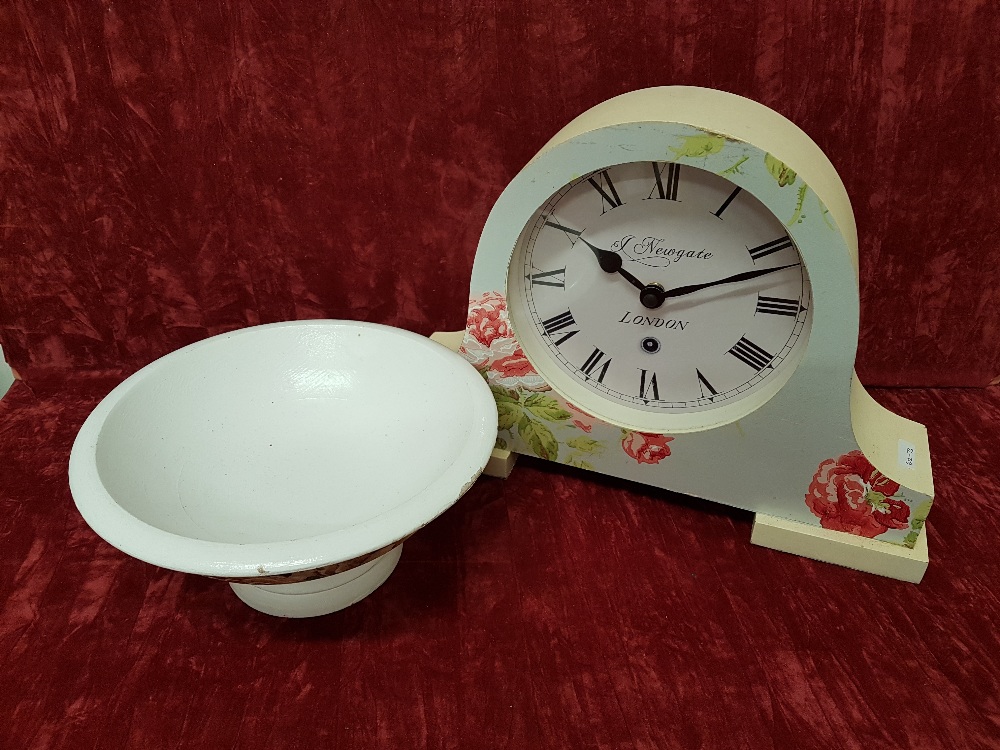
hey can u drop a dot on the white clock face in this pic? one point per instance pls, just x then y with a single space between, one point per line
656 288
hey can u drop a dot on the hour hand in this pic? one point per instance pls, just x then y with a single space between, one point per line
612 263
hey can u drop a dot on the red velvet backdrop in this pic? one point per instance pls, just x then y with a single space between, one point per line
171 170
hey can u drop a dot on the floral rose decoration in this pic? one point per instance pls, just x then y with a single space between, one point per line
514 365
492 349
849 494
645 447
487 320
581 419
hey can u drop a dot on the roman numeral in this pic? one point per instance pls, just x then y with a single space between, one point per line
555 278
769 247
612 200
594 361
558 323
572 234
665 189
749 353
777 305
704 385
646 385
726 203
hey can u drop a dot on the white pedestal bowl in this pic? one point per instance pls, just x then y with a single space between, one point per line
291 459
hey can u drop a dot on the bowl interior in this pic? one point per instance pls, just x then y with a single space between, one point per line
278 433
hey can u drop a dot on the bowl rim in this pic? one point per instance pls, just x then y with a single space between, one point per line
151 544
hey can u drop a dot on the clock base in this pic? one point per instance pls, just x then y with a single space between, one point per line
501 463
449 339
839 548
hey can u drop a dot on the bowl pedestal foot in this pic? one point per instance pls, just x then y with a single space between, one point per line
322 595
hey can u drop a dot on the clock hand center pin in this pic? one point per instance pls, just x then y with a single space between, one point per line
652 296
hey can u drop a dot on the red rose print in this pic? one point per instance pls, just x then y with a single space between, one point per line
581 419
491 348
514 366
488 319
849 494
508 368
645 447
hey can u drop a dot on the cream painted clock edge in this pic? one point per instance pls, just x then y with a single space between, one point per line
840 548
814 542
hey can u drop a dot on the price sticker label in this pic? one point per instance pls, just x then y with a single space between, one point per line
907 454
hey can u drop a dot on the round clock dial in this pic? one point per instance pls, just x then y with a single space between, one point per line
651 288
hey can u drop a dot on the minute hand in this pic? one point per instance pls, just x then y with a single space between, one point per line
745 276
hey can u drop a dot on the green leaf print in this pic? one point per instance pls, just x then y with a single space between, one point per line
877 501
779 171
577 461
800 201
508 408
920 515
698 145
508 414
539 438
734 168
501 395
546 407
585 444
